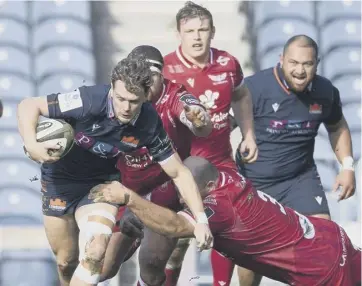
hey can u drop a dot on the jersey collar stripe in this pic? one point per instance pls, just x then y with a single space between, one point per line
223 179
279 80
187 63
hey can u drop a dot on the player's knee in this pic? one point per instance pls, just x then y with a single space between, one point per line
96 247
248 277
178 254
67 266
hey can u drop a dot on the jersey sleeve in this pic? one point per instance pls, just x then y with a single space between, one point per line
160 146
72 105
335 114
237 75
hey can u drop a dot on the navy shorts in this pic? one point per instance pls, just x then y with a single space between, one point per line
304 193
65 197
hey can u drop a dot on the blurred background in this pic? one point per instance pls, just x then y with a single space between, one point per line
56 46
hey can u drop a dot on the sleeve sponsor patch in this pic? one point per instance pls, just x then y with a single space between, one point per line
188 99
69 101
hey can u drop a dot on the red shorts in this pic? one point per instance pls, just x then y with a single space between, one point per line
164 195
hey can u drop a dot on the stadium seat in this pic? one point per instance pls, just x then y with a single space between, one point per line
342 61
265 11
17 200
9 28
277 32
13 60
271 58
322 132
20 171
11 143
352 113
14 9
323 149
53 9
340 33
327 170
8 121
62 82
62 32
28 268
15 87
70 59
203 266
349 87
332 10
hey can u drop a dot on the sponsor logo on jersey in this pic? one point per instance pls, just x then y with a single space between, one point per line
69 101
218 79
275 106
315 108
223 60
208 99
191 81
220 120
189 99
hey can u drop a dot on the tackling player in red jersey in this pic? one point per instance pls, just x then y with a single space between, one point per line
216 78
254 230
183 117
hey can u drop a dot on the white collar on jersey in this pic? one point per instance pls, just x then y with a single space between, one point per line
186 62
162 94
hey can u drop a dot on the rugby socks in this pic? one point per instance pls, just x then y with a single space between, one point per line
222 269
172 275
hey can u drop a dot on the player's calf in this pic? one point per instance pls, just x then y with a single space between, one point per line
66 265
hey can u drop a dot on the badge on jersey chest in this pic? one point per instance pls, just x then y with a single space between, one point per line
315 108
130 141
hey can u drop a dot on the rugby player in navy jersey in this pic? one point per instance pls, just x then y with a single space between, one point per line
290 103
107 120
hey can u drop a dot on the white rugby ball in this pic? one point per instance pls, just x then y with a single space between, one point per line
56 130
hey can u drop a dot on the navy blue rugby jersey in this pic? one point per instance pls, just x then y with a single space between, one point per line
99 136
286 124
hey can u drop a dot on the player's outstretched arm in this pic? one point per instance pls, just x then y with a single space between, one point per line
159 219
242 106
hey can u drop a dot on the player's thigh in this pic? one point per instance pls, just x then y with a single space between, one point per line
306 195
155 251
62 233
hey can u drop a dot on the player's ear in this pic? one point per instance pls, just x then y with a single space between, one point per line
281 60
210 186
213 30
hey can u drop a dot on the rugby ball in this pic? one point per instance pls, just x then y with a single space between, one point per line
59 131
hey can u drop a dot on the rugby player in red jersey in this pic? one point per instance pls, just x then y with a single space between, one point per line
216 78
253 229
183 117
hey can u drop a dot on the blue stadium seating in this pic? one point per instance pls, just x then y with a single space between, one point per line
13 60
329 11
8 121
349 87
14 9
356 143
15 87
19 170
18 200
9 28
27 268
271 58
62 82
62 32
269 10
70 59
346 60
11 143
278 31
352 113
56 9
340 33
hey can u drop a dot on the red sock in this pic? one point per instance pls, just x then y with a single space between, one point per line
172 276
222 269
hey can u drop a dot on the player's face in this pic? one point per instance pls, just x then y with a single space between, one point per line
299 66
156 88
196 35
126 105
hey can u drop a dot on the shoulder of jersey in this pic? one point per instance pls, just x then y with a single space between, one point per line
97 94
148 114
174 88
323 80
170 58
